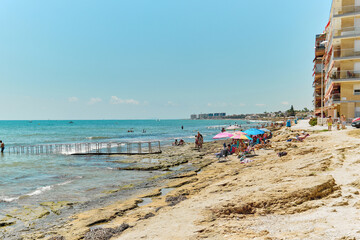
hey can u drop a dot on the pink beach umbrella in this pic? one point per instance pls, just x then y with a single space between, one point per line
239 133
223 135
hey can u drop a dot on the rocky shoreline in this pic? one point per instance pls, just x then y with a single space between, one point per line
312 187
173 163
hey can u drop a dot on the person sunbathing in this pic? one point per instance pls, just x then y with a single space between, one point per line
298 138
301 138
223 153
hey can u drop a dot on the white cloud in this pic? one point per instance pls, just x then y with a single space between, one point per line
260 105
218 104
95 100
171 104
73 99
116 100
285 103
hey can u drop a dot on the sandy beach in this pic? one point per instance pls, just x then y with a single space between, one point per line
311 193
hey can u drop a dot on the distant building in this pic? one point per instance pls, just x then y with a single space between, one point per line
208 116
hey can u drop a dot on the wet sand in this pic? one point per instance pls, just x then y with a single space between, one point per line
311 193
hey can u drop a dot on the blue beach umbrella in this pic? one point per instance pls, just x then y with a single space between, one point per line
265 129
254 131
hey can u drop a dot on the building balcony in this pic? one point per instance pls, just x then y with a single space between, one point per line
317 85
319 51
346 32
335 98
346 54
348 10
346 75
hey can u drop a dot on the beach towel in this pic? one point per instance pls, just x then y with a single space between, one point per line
246 160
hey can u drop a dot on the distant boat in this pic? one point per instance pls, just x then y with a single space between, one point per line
71 122
30 121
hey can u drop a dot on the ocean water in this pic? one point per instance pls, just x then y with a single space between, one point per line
32 179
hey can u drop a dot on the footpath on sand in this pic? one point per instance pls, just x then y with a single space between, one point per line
311 193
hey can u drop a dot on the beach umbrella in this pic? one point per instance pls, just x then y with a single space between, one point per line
239 132
233 127
254 131
265 129
223 135
241 136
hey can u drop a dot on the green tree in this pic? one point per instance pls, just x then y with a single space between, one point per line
291 111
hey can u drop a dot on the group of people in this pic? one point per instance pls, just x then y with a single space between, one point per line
341 121
199 140
178 143
241 147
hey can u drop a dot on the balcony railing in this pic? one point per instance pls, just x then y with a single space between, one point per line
346 74
350 52
328 64
347 31
328 84
335 97
347 10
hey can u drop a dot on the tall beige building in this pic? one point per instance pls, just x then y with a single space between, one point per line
341 75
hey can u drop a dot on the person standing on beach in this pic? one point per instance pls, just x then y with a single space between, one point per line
196 141
343 121
329 122
200 140
2 146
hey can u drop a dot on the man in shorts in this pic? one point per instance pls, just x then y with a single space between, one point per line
343 121
329 123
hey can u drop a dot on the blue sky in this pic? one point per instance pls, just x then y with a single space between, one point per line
141 59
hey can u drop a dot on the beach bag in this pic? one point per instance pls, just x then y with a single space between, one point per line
281 154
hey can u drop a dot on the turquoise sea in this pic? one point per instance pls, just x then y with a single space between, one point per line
31 179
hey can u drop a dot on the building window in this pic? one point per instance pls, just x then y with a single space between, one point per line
357 89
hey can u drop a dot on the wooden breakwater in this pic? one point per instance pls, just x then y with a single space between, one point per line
90 148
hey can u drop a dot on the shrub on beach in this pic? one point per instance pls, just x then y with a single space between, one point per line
313 121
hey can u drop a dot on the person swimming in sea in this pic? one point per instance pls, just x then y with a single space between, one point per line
2 146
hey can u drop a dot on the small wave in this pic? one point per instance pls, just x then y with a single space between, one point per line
64 183
98 137
8 199
39 191
216 127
